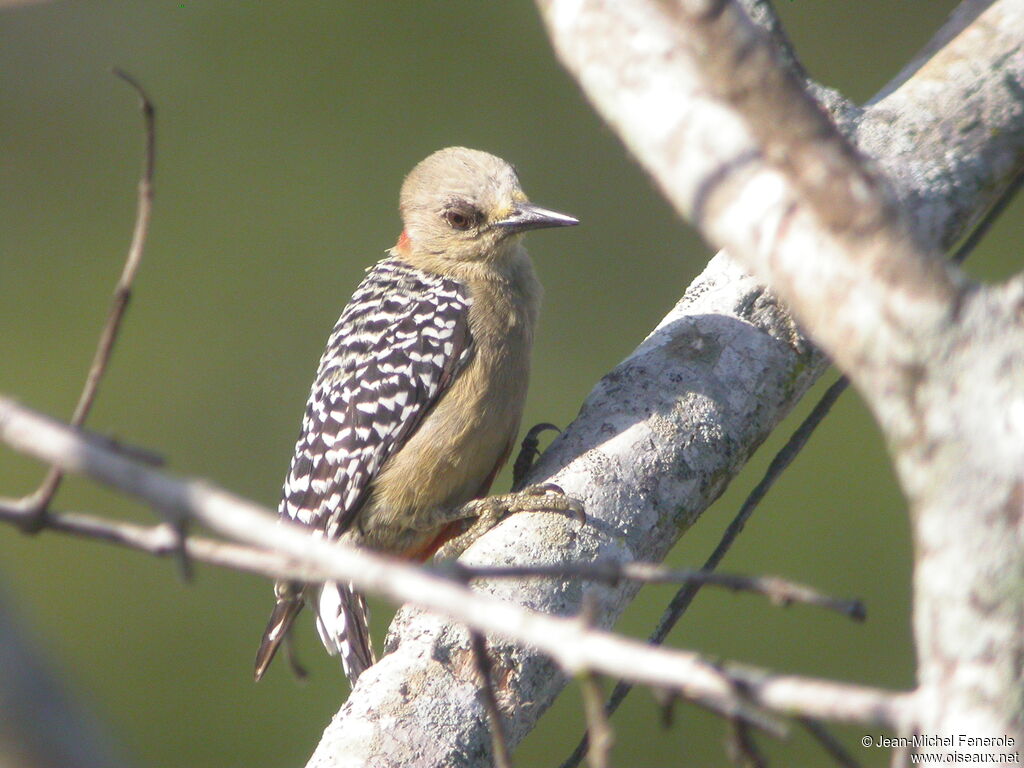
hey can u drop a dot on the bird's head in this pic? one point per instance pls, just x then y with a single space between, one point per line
467 205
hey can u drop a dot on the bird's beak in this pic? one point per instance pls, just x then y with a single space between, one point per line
526 216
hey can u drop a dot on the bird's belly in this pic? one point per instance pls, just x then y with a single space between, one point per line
448 461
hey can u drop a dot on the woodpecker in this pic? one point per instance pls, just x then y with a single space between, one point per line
419 393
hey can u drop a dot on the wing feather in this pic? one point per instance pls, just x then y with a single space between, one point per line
400 342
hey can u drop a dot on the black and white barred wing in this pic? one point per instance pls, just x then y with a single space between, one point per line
399 343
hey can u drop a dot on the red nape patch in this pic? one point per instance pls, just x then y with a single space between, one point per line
403 241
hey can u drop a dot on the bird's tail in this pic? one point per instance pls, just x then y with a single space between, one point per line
289 603
343 621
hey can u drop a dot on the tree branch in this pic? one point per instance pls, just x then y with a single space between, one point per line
38 501
734 691
682 600
165 540
732 140
779 591
693 402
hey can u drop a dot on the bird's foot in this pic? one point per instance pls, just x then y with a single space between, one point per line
481 515
543 497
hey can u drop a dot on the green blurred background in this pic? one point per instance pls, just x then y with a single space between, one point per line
285 130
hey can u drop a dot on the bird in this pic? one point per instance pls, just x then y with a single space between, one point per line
419 393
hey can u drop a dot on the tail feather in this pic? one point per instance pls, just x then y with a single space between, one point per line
289 603
343 621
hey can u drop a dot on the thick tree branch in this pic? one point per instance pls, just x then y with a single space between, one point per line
659 438
729 136
797 441
669 404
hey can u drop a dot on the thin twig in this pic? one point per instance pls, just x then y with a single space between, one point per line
778 465
991 216
731 690
743 749
41 498
160 540
482 662
163 541
684 597
599 730
828 742
779 591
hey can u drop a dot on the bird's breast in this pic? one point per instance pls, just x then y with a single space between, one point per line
467 435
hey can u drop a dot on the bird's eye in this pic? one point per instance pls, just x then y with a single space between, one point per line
458 218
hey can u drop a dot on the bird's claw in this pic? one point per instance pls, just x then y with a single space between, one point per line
482 515
529 450
544 497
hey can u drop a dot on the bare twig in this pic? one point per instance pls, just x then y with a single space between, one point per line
599 730
482 662
582 34
742 747
734 691
38 501
779 591
796 443
828 742
163 541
